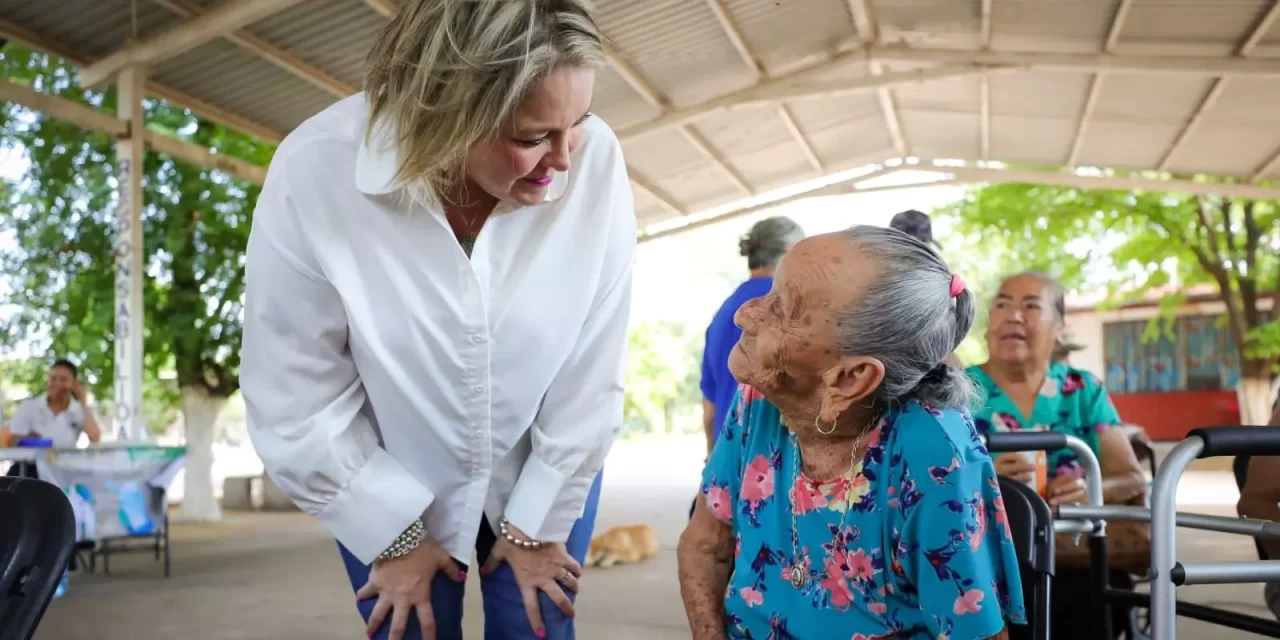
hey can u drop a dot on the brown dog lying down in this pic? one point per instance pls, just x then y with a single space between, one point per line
623 545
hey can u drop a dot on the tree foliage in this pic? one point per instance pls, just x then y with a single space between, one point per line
61 215
1131 244
663 370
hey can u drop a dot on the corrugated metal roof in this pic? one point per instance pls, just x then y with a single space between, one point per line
685 54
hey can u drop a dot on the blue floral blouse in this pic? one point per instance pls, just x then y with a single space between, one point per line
925 489
1071 401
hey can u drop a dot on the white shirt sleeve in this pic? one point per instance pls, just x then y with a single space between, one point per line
305 403
582 411
24 419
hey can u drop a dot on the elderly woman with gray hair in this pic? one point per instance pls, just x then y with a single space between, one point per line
849 495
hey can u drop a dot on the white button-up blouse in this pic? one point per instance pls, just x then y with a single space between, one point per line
387 377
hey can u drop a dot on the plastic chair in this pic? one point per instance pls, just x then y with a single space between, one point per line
37 533
1031 523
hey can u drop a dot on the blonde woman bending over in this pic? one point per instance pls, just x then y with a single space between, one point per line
439 279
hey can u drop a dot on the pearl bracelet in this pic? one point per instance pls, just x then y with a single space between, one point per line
407 542
504 529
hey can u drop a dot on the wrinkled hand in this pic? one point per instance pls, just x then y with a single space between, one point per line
403 584
1067 490
1016 466
547 570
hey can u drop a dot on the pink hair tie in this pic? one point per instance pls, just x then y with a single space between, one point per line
957 285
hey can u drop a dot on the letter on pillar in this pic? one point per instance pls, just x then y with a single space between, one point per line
128 258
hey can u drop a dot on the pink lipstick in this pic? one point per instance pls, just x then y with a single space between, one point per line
541 182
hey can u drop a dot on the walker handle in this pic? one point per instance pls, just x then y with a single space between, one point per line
1238 441
1026 441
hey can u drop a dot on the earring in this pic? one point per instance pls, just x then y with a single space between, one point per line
817 427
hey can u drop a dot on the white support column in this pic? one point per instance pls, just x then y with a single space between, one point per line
130 151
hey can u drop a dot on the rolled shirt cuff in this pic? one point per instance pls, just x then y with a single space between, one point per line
378 505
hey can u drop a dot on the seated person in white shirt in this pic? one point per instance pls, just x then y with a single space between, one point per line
59 414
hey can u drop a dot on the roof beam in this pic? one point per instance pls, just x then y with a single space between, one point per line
842 188
1267 167
793 87
734 34
62 109
1086 116
1117 25
868 28
984 89
92 119
654 192
958 175
1076 62
984 108
971 174
864 20
215 23
1219 85
892 121
642 86
810 154
385 8
985 29
275 55
700 142
1095 84
201 108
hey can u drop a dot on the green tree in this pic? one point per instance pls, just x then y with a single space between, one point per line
1132 243
663 369
60 277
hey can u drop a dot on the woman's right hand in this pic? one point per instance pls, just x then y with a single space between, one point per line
1016 466
404 583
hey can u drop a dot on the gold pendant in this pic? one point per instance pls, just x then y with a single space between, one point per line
797 576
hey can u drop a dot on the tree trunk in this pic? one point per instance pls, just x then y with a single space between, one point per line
1254 394
200 410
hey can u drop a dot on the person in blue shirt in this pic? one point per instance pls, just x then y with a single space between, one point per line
849 495
763 246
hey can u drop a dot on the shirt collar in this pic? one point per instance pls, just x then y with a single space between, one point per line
42 401
378 160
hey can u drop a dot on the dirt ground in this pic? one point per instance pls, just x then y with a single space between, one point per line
271 576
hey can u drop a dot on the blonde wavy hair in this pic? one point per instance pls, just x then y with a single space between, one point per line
448 74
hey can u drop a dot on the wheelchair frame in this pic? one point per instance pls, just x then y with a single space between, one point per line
1091 519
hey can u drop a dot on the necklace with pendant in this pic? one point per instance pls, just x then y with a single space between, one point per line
798 575
467 239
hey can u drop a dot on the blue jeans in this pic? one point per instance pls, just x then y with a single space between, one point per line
504 615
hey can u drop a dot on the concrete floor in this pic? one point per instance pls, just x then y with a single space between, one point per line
272 576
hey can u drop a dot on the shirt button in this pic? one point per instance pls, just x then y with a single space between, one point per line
478 389
475 339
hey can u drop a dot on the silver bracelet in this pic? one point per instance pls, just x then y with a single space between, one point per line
504 529
407 542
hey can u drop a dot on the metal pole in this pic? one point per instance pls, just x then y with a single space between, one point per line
1229 572
1113 512
130 153
1092 470
1072 526
1164 506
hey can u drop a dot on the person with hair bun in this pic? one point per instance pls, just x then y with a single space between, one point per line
438 288
849 495
763 246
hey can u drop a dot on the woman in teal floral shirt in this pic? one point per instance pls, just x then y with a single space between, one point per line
849 495
1024 389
